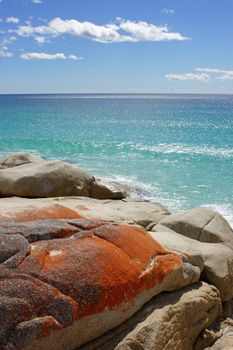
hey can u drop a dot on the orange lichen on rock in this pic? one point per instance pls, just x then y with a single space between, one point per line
107 267
59 281
56 211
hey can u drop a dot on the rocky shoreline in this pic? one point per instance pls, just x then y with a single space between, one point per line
84 266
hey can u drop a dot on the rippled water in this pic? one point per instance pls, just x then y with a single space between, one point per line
174 149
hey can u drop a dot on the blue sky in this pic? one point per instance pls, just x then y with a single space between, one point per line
73 46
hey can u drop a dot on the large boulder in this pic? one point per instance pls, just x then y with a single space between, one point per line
19 158
50 179
218 258
171 321
120 211
206 232
62 292
201 224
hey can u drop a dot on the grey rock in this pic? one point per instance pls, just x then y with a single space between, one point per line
50 179
201 224
218 258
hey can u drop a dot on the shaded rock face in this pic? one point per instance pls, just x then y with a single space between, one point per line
225 339
171 321
25 175
78 279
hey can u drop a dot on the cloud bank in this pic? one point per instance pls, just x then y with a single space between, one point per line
204 75
48 56
220 74
120 31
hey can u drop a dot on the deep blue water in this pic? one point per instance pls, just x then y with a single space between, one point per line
174 149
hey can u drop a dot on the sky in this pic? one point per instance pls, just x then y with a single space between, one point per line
116 46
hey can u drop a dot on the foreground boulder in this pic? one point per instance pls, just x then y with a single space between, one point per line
171 321
119 211
62 292
39 178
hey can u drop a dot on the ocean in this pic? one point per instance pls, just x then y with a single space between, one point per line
173 149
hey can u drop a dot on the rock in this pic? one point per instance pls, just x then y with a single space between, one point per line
171 321
13 249
50 179
66 291
201 224
223 337
207 338
218 258
40 211
20 158
120 211
111 186
39 230
224 343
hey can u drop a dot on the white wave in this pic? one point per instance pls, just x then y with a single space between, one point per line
186 149
150 192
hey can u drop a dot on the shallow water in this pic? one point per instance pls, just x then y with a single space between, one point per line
173 149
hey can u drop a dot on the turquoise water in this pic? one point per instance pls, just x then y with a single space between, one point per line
173 149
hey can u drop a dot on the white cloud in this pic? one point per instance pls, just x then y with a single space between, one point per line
203 77
143 31
12 20
168 11
4 50
222 74
37 1
74 57
121 31
226 76
40 39
47 56
5 53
